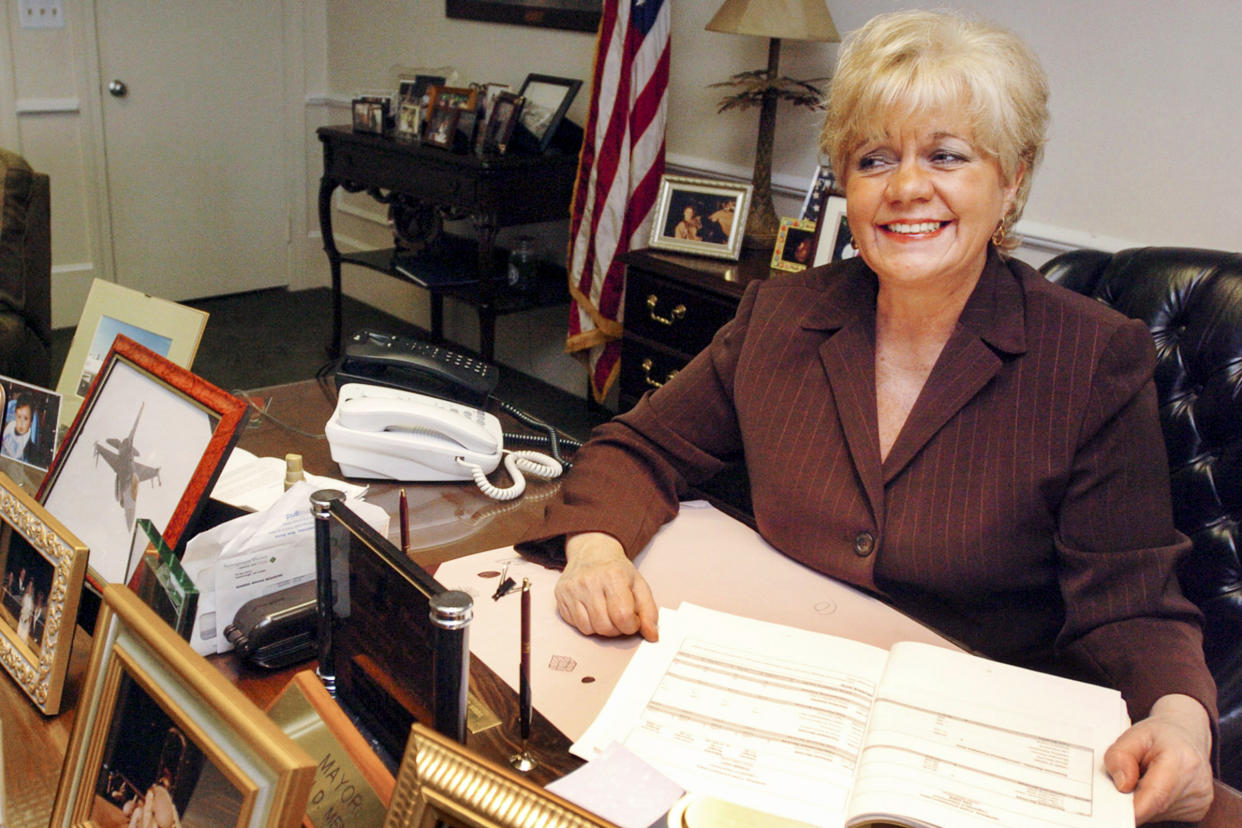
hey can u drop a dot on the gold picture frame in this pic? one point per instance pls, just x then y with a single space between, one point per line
795 245
441 781
42 566
158 727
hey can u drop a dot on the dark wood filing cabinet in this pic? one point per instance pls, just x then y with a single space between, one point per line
674 304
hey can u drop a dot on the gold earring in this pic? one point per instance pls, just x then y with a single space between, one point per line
998 236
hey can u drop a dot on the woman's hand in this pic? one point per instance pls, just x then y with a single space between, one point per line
600 592
1168 756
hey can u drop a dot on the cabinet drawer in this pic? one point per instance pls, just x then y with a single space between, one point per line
644 368
683 319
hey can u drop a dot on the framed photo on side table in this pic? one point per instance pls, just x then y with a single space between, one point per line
171 330
158 727
547 99
150 440
697 215
795 245
833 231
42 565
506 110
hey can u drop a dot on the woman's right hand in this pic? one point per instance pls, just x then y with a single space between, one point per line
601 593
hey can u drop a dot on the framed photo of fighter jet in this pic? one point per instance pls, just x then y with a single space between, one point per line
149 440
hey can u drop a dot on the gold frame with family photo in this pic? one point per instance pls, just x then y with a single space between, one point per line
442 782
37 549
214 749
170 329
706 198
793 234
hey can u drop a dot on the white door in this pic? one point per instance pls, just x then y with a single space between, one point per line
192 136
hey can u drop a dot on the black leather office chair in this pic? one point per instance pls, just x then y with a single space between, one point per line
1192 301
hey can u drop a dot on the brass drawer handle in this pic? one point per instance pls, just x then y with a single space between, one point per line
647 366
679 312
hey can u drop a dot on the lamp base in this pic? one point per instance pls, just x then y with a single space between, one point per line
762 227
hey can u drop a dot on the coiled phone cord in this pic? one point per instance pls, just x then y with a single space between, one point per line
516 462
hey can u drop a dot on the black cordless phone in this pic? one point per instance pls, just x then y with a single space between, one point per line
414 365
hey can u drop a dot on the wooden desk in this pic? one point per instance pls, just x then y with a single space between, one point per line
34 746
495 191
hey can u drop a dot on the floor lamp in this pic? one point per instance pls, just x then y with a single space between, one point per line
777 20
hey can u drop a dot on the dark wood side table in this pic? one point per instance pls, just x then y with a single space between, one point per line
495 191
674 304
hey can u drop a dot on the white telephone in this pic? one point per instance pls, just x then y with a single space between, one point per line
387 433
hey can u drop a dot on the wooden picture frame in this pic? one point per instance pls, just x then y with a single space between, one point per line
156 723
546 99
795 245
440 779
42 566
163 471
832 243
574 15
700 216
170 329
506 110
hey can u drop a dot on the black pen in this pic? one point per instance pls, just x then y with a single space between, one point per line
522 760
524 679
403 516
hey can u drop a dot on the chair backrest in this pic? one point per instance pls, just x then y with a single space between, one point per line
1192 301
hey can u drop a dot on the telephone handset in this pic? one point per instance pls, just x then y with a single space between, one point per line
407 363
388 433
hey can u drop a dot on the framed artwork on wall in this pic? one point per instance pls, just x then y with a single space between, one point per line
575 15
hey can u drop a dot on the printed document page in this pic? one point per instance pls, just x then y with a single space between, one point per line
963 741
763 715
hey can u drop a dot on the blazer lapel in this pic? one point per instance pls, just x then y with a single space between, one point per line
991 324
847 310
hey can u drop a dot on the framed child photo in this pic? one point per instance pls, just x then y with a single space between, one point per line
441 129
160 731
150 440
42 566
29 423
700 216
833 231
795 245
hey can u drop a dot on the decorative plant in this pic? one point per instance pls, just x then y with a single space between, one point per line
756 83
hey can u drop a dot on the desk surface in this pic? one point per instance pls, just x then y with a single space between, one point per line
33 746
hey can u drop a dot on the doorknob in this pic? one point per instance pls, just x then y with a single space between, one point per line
117 89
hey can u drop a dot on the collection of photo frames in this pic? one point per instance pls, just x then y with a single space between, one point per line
485 118
706 217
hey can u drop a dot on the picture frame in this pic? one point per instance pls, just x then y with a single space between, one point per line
506 111
573 15
463 99
160 581
42 565
442 782
168 328
795 245
370 113
441 129
29 424
823 184
164 471
700 216
156 723
833 233
546 99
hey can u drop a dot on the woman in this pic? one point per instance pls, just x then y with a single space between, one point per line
688 227
931 421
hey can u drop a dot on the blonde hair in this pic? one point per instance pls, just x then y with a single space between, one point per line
912 61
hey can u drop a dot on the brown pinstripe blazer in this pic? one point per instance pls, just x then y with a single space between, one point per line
1023 510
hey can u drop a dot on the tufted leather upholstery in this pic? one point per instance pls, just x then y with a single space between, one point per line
1192 301
25 271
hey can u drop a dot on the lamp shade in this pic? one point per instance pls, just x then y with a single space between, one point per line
785 19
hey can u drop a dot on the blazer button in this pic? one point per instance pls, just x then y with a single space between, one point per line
864 544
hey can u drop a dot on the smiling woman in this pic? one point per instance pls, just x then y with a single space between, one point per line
893 414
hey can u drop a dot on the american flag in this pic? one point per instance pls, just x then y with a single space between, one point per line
618 176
